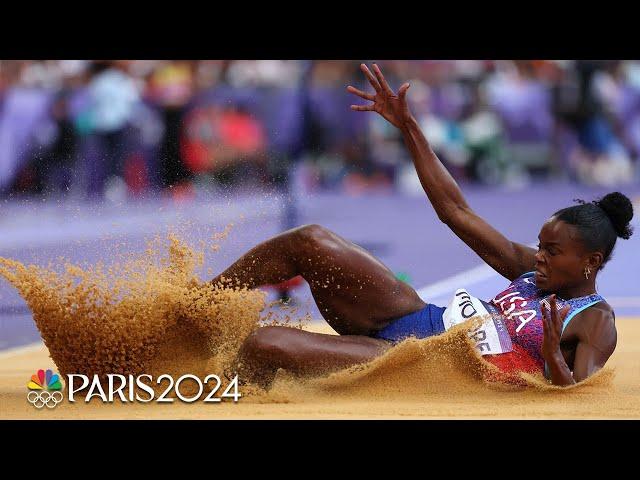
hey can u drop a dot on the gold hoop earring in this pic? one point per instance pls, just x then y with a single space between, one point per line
587 272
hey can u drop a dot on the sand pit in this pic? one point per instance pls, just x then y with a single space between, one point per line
153 315
396 389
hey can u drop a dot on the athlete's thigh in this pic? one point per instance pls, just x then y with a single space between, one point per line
355 292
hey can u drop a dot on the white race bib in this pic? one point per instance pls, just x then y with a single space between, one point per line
492 337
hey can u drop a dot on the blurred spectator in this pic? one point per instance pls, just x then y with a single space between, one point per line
217 139
265 73
483 135
442 127
119 128
523 103
113 97
585 100
53 164
171 86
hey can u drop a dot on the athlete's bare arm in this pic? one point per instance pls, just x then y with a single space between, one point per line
595 335
509 259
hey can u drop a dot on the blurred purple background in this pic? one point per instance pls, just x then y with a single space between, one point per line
116 129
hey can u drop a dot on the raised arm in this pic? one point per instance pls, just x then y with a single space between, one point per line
509 259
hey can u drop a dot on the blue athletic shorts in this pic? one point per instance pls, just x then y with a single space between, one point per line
421 324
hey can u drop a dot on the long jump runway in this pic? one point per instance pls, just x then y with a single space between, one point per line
403 231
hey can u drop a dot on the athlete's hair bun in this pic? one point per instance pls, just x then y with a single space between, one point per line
619 209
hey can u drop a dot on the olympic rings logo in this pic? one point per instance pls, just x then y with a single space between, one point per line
40 399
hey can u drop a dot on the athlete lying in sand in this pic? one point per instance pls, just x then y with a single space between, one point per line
549 319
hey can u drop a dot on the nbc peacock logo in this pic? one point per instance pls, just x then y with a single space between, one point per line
44 389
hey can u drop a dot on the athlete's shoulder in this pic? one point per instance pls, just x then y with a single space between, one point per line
600 312
603 307
596 324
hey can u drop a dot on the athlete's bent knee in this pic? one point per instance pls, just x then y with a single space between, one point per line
315 236
264 344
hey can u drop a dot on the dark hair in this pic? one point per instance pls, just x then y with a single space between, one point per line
600 222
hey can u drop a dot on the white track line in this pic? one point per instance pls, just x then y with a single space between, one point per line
450 284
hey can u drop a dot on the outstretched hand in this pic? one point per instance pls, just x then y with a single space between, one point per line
393 107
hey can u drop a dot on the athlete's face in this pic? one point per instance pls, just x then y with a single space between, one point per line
561 257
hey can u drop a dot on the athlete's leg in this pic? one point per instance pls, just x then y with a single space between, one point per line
301 353
355 292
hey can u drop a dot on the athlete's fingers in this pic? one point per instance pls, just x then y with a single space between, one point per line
360 93
547 315
545 319
372 80
559 316
362 108
553 309
402 93
381 79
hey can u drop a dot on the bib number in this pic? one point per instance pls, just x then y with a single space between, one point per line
491 337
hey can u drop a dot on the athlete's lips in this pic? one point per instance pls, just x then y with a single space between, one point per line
540 274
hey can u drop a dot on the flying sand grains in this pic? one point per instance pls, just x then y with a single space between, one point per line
149 314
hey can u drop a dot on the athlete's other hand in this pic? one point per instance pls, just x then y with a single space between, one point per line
552 325
393 107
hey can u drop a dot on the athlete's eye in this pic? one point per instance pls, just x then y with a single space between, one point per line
549 250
